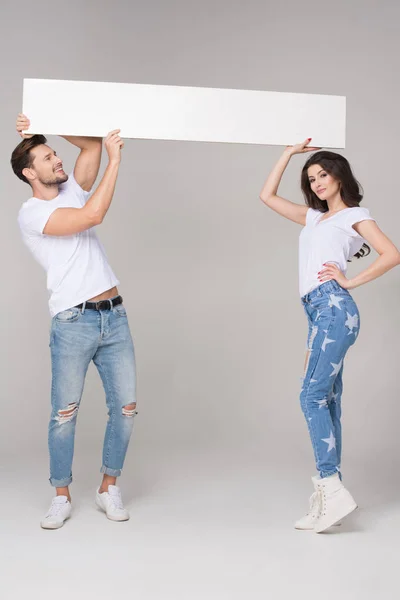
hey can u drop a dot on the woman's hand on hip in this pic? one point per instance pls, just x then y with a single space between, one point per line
331 271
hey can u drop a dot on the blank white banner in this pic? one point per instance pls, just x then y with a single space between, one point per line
164 112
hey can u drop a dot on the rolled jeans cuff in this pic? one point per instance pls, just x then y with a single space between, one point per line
111 472
60 482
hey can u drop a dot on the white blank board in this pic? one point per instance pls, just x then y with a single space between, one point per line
163 112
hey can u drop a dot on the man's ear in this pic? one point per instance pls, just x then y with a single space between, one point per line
29 174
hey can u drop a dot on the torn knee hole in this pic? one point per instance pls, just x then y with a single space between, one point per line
310 344
306 362
67 414
129 410
313 335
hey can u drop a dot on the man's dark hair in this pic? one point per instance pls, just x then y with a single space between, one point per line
22 158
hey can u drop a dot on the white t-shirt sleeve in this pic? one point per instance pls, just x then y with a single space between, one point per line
81 193
356 215
33 218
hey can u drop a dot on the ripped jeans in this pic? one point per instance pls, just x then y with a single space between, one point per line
333 320
77 337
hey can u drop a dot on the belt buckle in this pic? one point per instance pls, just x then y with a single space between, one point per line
104 304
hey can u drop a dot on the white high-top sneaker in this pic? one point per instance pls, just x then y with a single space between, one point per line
336 502
111 503
58 513
309 520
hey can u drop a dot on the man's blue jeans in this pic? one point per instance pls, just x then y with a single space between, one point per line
77 337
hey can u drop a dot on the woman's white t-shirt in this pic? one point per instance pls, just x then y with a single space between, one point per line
332 240
76 265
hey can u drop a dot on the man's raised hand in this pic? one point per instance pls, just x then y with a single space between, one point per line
114 145
22 124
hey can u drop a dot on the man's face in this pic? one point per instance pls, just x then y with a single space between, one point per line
47 166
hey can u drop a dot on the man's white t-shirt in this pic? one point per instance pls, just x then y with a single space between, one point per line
76 265
332 240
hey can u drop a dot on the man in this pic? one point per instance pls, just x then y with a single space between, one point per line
89 321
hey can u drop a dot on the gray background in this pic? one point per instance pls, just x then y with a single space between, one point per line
220 458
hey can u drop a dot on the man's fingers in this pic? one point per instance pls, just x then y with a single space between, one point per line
112 140
22 119
113 132
115 139
23 125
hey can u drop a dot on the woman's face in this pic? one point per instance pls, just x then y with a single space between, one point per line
322 184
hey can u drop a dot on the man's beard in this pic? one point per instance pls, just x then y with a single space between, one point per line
54 182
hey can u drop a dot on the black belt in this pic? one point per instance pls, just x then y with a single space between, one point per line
101 304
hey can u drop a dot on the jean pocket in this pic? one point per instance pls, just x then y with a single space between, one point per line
323 307
325 313
120 310
68 316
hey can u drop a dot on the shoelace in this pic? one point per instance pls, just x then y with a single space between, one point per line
322 501
115 496
55 507
315 501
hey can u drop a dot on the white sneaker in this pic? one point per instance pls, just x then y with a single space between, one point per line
309 520
58 513
336 502
111 503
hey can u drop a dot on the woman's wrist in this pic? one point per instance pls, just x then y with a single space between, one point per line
288 152
351 284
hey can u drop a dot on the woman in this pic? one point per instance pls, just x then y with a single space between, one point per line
335 229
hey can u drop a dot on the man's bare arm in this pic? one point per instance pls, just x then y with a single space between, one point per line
68 221
88 162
